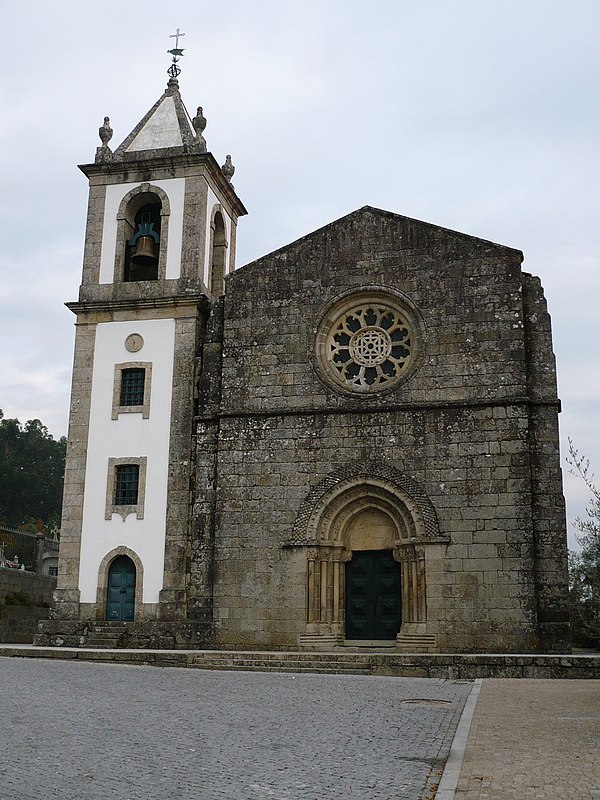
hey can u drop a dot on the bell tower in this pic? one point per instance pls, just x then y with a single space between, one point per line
160 240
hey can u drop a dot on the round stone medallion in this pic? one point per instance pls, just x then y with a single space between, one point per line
134 342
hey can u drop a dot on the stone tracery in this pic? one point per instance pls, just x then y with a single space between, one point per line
367 342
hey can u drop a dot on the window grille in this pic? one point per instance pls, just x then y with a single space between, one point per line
126 484
132 387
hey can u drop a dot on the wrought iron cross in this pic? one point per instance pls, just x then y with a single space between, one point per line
176 52
176 37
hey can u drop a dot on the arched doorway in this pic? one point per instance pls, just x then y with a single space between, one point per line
120 600
373 607
369 519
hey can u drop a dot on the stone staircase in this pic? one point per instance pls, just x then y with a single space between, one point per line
333 663
451 666
109 636
415 643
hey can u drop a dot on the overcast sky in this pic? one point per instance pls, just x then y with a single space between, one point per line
477 115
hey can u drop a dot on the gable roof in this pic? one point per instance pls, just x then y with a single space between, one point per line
414 231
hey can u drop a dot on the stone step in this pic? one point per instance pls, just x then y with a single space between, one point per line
109 637
262 667
104 644
292 663
347 664
416 643
282 656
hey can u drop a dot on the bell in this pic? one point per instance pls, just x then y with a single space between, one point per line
145 253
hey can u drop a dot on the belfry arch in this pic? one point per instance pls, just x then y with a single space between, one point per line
218 253
144 195
369 507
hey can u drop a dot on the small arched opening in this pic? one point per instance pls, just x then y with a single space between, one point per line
218 256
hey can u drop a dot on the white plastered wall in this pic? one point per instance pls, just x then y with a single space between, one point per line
128 436
175 191
213 201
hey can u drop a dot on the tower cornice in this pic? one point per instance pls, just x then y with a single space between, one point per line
183 304
163 160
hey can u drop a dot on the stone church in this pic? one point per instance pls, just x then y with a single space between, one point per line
351 441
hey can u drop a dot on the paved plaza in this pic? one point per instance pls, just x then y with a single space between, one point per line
83 731
532 739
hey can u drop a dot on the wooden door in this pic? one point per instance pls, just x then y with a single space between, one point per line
373 597
120 604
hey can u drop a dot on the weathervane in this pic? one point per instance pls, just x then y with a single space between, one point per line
177 53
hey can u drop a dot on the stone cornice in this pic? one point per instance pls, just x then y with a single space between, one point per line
365 408
181 302
171 161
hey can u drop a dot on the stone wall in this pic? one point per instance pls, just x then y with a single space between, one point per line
474 427
18 623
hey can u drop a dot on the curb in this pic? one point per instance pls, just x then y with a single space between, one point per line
449 781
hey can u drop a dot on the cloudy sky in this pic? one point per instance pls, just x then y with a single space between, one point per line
477 115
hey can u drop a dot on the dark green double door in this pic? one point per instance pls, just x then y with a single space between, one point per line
373 598
120 601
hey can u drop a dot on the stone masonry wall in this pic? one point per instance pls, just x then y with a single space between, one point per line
466 426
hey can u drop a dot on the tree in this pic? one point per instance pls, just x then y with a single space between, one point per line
32 468
584 566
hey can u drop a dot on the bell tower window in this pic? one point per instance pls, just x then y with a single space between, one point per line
218 256
142 247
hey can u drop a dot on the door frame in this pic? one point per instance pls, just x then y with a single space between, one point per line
102 590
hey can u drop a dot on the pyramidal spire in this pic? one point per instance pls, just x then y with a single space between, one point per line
167 126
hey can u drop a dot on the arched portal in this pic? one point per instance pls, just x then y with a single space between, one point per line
373 532
120 599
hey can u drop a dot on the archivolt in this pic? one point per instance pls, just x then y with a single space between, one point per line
323 514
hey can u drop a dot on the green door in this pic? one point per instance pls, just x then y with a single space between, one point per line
121 590
373 598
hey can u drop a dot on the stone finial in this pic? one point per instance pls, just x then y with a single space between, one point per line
199 123
228 169
105 133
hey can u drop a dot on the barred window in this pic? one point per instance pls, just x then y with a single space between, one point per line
127 481
126 487
132 387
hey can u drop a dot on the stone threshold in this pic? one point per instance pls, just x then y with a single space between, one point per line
379 644
452 666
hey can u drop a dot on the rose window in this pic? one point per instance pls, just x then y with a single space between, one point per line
366 346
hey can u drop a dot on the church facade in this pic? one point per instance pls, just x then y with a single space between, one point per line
351 441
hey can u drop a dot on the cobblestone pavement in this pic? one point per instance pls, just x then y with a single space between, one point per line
533 739
94 731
